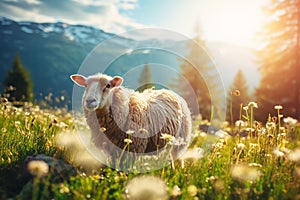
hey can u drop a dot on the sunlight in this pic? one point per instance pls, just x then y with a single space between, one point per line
228 21
235 23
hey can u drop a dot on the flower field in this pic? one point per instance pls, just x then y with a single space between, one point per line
261 163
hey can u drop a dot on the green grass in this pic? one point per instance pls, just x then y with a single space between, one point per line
256 167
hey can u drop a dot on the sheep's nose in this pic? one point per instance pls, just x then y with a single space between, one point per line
90 101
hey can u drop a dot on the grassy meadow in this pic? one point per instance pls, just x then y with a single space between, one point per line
263 165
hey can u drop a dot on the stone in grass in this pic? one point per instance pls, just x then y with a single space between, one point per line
58 171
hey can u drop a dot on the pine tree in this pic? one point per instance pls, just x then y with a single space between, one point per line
238 95
145 79
280 59
17 83
198 70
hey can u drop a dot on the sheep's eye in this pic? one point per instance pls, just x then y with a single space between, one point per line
106 87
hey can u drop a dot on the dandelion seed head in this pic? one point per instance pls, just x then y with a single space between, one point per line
38 168
294 155
243 173
147 188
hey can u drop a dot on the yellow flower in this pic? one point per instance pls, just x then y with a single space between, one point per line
127 141
38 168
192 190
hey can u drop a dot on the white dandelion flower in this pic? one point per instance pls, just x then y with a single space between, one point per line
127 141
278 107
243 173
252 104
38 168
294 155
146 188
290 121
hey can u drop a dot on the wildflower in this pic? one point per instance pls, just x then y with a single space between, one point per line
252 104
255 165
236 93
244 173
195 153
146 187
290 121
38 168
278 107
176 191
102 129
127 141
278 153
245 108
129 132
64 189
270 125
17 123
192 190
294 155
253 145
239 123
167 137
219 185
241 146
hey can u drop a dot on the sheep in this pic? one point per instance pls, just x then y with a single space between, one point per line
117 111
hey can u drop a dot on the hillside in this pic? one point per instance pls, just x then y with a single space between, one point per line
53 51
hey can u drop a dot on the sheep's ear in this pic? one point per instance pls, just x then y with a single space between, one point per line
116 81
79 79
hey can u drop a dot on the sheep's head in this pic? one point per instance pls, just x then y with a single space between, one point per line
97 89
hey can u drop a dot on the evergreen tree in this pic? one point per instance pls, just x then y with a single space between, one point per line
198 70
238 95
280 59
17 83
145 79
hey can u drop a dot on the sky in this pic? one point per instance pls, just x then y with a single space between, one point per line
232 21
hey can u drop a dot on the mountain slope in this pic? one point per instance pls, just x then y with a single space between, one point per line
53 51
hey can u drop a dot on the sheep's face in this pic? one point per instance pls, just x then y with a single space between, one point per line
97 89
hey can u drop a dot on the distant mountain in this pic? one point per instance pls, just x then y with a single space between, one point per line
53 51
